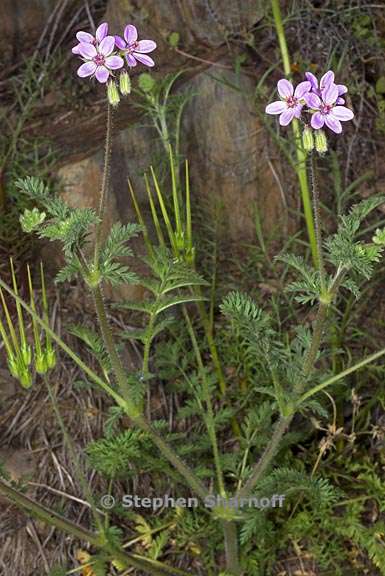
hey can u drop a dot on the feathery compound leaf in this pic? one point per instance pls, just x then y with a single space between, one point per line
342 248
115 245
309 286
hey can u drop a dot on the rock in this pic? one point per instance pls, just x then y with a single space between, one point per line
225 143
21 23
209 22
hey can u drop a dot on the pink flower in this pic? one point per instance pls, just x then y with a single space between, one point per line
327 110
99 60
133 49
87 38
324 83
291 103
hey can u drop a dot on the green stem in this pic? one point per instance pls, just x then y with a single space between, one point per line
284 422
317 221
300 152
231 548
105 184
52 518
117 366
209 420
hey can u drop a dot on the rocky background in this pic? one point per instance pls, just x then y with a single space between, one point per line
222 135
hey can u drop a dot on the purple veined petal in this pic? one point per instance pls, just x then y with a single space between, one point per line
130 34
276 107
75 50
285 88
131 60
87 50
298 110
102 74
145 46
342 113
114 62
330 94
107 45
101 31
120 43
302 89
286 116
333 124
86 69
317 120
85 37
342 89
313 81
340 101
312 100
144 59
326 80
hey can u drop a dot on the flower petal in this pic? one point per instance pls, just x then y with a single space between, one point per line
114 62
317 120
107 45
312 100
87 50
333 124
302 89
330 94
313 81
145 46
326 80
276 107
298 110
342 113
85 37
286 117
75 50
101 31
340 101
342 89
285 88
144 59
130 34
102 74
120 43
131 60
86 69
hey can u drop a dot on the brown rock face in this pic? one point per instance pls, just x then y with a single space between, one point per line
225 145
21 23
210 22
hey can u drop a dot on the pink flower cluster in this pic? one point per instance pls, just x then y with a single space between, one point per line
103 54
322 100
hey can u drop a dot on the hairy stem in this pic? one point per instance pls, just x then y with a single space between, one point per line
300 152
231 548
317 221
105 184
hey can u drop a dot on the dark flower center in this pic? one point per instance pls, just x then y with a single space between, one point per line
132 47
326 109
99 60
291 101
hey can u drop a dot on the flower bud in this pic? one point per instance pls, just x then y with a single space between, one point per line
124 84
308 139
40 363
50 358
321 143
25 378
113 94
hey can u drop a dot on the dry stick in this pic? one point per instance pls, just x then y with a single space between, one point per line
54 519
